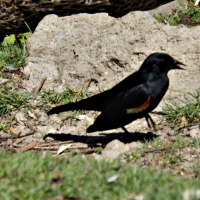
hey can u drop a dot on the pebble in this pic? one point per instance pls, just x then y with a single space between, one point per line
194 133
21 119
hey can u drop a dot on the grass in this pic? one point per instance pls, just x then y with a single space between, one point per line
13 54
11 98
14 99
12 57
184 115
175 156
185 13
51 97
32 176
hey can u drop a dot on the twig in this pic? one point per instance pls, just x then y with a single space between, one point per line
14 137
19 141
56 143
39 87
81 149
12 130
38 148
28 146
162 149
47 148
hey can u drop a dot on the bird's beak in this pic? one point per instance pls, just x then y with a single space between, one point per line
176 65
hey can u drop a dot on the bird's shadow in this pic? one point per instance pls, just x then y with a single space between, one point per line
103 138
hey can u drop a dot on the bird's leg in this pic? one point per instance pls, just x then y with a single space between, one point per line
124 129
148 117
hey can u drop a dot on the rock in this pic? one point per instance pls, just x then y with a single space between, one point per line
43 119
38 135
139 197
32 12
97 156
191 194
185 131
135 145
194 133
194 127
32 114
114 149
70 50
20 117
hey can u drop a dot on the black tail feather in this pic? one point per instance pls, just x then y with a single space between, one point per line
62 108
96 102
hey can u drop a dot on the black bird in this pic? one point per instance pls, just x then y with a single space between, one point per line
132 98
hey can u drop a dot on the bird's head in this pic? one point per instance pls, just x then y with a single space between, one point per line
160 63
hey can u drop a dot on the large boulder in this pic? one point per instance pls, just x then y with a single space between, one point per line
70 50
15 13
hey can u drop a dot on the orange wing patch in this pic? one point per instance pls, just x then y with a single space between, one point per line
140 108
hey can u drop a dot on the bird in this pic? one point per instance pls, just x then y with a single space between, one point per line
132 98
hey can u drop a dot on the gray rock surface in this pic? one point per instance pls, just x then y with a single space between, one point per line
70 50
114 149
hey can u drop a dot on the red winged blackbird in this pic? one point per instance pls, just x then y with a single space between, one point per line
132 98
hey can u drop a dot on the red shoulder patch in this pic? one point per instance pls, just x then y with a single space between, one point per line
140 108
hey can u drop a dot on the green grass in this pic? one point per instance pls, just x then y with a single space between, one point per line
184 115
51 97
168 155
12 57
185 14
11 98
13 54
28 176
13 51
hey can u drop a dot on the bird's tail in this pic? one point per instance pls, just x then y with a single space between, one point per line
96 102
91 129
63 108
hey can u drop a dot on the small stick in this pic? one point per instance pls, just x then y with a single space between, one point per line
39 87
28 146
14 137
56 143
19 141
12 130
46 148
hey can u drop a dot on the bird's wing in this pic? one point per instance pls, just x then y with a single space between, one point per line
99 101
128 103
